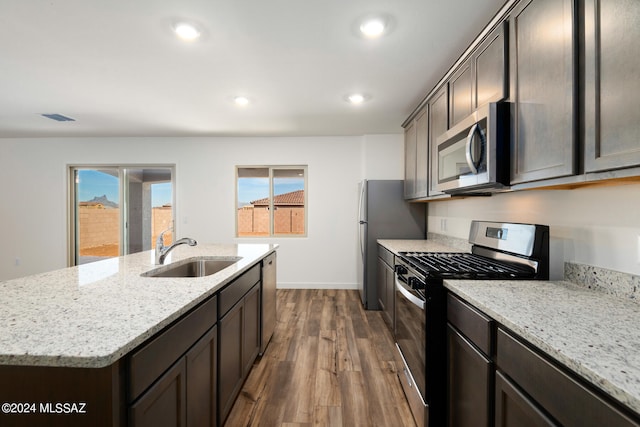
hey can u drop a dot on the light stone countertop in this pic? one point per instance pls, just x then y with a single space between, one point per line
397 246
594 334
94 314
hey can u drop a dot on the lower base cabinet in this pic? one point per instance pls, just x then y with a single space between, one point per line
549 390
514 409
186 394
239 347
496 378
470 379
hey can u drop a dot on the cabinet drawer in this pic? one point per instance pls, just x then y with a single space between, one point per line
234 292
568 401
386 255
472 323
150 361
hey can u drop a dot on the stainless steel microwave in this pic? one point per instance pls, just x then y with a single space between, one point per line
473 156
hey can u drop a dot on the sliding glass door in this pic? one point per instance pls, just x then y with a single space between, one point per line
118 210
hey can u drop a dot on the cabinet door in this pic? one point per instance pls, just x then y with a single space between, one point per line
422 153
514 409
612 84
230 356
164 404
470 383
461 94
542 90
251 329
490 68
391 297
438 124
382 287
202 365
410 161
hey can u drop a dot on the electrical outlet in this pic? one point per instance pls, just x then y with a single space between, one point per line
443 224
17 262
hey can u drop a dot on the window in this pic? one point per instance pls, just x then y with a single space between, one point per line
118 210
271 201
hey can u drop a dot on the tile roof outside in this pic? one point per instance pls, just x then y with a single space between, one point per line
294 198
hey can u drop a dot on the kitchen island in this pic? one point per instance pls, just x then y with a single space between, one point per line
590 334
67 336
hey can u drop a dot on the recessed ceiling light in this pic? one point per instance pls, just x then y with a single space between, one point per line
373 27
357 98
186 31
241 100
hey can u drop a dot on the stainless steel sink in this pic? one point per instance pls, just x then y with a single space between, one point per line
193 267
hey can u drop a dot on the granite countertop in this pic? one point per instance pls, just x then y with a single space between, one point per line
94 314
591 332
397 246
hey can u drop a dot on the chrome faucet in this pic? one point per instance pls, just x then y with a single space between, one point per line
162 251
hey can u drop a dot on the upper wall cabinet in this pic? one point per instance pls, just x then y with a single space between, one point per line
410 160
461 93
489 62
438 124
542 90
612 84
482 78
416 156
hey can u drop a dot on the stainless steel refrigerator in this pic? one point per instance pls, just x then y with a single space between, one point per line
383 214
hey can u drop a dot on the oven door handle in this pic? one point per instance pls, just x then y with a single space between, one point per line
408 295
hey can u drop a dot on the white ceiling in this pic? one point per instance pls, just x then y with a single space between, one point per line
116 67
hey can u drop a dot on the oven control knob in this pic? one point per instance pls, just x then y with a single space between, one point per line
400 269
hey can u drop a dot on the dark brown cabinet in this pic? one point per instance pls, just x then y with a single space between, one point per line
438 124
172 378
251 330
202 381
514 409
239 337
461 93
417 156
231 366
186 394
546 393
386 283
612 82
489 63
165 403
469 368
542 92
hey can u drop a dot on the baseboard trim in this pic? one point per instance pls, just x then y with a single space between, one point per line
316 285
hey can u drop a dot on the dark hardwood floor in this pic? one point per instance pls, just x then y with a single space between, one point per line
329 363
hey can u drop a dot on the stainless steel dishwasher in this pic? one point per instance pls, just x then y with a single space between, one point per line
268 299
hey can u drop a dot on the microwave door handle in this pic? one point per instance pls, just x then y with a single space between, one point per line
408 295
469 146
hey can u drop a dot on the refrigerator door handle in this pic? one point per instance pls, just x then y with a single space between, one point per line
362 221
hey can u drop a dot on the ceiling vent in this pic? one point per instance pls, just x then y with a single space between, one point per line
58 117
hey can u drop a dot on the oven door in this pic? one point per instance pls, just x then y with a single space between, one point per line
411 343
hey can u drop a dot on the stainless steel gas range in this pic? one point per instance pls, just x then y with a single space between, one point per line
506 251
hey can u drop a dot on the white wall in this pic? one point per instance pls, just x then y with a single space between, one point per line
34 206
598 226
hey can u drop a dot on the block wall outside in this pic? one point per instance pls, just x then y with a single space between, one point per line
255 221
99 229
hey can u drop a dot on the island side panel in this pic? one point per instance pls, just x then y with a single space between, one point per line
54 396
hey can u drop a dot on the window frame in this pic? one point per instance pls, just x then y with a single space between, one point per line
271 169
123 170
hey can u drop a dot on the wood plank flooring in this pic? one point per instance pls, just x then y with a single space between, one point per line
329 363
